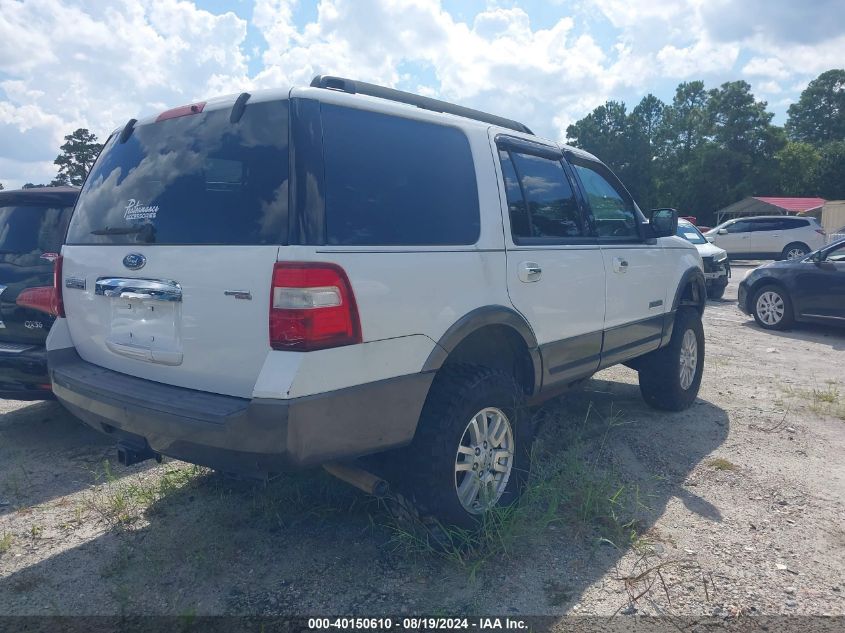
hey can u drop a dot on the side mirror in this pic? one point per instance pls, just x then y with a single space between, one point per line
818 258
723 231
710 239
663 222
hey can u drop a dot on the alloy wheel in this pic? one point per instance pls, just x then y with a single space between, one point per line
484 460
770 307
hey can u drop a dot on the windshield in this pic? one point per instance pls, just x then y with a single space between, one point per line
196 179
691 234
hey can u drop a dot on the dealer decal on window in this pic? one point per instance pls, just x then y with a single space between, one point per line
137 211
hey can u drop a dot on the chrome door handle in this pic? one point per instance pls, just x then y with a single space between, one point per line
620 265
155 289
530 271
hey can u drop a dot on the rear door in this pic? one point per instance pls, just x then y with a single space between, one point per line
30 239
170 252
637 274
555 272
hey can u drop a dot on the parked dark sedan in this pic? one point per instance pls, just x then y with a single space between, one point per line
32 229
809 289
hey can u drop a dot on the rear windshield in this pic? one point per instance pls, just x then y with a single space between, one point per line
31 231
196 179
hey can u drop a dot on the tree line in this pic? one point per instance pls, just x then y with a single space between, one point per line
709 148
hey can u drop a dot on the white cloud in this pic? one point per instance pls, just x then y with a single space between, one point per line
95 63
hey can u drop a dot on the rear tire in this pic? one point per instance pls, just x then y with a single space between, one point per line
447 460
671 377
796 250
772 308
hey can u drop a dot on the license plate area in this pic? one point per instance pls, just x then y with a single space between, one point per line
145 319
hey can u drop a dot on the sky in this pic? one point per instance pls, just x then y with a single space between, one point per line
66 64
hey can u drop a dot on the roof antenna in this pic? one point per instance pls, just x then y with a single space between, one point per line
126 132
239 107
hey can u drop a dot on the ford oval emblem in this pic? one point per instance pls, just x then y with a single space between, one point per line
134 261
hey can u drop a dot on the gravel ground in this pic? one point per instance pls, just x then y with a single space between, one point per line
734 507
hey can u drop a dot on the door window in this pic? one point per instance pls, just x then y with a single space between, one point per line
541 202
613 209
743 226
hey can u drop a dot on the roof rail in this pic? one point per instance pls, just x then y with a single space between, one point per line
352 86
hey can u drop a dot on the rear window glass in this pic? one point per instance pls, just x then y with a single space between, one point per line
197 179
394 181
31 231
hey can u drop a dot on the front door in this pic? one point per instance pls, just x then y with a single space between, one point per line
820 288
555 270
637 274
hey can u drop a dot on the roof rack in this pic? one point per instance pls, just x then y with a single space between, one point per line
352 86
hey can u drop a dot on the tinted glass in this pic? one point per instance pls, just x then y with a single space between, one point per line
394 181
518 212
551 207
743 226
690 233
27 232
613 210
196 179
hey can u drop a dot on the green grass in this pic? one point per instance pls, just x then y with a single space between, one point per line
570 487
5 542
719 463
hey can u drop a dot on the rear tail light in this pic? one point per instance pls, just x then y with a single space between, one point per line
821 232
312 307
46 298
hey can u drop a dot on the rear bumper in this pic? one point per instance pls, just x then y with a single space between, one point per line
252 437
23 375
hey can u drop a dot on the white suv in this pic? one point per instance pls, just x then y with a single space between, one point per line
290 278
768 237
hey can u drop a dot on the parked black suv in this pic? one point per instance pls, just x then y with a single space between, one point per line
32 227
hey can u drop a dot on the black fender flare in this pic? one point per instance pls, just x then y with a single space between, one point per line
477 319
696 277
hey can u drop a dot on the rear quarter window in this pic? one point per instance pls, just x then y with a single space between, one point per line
197 179
395 181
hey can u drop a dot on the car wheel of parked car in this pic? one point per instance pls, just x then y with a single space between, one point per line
716 292
772 308
796 250
471 450
670 377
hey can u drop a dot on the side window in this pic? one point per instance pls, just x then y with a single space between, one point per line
541 202
836 255
395 181
743 226
613 210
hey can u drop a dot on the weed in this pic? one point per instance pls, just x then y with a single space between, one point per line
569 485
5 542
720 463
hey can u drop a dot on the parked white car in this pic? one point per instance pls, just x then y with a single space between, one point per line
717 266
298 277
769 237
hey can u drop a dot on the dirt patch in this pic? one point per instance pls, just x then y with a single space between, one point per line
732 507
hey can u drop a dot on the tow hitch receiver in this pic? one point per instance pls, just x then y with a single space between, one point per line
132 453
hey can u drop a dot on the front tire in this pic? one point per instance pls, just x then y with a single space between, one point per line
772 308
671 377
471 450
716 292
